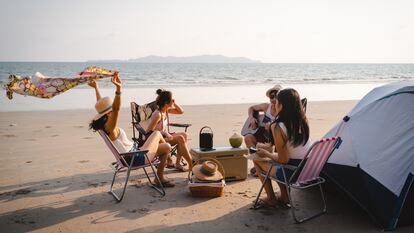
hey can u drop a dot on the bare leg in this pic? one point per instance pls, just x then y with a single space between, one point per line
182 150
264 166
156 146
179 155
250 141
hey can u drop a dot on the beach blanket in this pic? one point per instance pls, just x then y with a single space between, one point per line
45 87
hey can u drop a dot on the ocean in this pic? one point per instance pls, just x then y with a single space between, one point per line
194 84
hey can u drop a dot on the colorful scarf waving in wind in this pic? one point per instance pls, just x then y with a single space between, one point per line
47 87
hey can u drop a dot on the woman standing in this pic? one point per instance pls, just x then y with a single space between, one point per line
290 133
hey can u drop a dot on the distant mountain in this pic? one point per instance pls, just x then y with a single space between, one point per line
192 59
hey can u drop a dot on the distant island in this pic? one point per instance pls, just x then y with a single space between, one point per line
191 59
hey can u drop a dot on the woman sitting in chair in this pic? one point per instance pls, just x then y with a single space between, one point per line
260 136
290 135
159 121
107 120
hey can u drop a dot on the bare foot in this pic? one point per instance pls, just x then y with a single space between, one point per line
180 168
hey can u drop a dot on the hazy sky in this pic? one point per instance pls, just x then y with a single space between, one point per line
271 31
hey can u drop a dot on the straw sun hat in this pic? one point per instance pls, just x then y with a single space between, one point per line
103 106
207 171
277 87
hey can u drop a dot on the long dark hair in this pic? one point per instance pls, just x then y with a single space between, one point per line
164 97
293 116
99 124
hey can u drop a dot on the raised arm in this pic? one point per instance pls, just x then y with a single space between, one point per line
176 109
94 85
116 105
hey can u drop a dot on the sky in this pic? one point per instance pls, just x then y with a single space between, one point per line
274 31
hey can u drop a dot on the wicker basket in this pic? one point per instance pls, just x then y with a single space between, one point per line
206 189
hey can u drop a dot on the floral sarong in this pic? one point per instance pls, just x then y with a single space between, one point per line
47 87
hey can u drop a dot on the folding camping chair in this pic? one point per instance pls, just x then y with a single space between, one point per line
143 113
305 175
121 166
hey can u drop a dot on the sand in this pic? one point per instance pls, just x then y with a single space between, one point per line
55 177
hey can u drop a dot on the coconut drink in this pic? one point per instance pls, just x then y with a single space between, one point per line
236 140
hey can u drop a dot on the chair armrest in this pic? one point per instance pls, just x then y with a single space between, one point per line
179 125
287 166
133 153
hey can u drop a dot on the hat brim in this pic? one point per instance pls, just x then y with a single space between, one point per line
201 176
276 88
102 114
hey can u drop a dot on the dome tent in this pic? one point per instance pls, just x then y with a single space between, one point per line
375 163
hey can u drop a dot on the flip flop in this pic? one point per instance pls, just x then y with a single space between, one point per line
261 204
181 168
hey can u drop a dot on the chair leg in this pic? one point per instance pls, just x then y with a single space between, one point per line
152 185
314 215
111 191
255 206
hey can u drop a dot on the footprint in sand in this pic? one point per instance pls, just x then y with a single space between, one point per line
87 137
28 161
55 135
30 139
78 126
48 126
83 161
9 135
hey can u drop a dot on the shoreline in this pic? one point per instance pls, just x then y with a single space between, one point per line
83 98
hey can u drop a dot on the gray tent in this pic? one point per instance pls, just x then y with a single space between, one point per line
375 163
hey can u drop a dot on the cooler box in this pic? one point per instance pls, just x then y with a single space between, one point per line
232 159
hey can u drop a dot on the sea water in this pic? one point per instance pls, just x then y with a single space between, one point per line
195 84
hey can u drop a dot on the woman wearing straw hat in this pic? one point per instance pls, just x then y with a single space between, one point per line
290 135
261 135
107 120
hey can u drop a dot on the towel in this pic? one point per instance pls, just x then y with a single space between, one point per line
45 87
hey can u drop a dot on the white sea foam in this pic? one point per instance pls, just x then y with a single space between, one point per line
196 95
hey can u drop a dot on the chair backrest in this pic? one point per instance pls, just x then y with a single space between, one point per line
142 112
316 158
304 102
111 146
138 115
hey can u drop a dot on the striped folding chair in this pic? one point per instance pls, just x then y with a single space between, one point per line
307 174
122 166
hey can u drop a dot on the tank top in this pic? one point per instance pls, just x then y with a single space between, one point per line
162 124
268 113
122 143
297 152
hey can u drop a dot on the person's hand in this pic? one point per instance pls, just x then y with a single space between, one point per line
116 80
92 83
262 153
253 123
173 102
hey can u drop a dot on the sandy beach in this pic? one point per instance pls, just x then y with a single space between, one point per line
55 177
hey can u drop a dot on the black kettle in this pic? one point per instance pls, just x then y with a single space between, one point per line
206 139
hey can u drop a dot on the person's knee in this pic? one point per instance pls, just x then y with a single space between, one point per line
185 135
180 139
164 148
